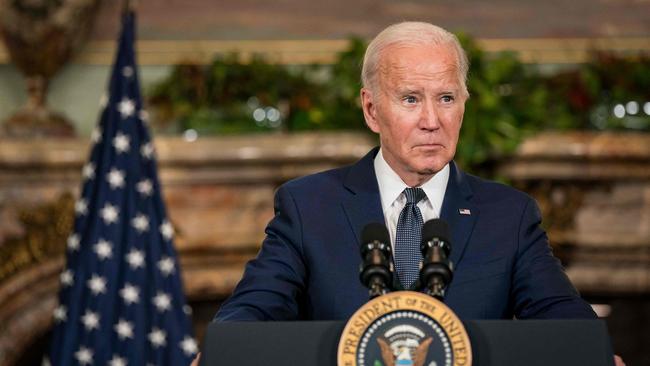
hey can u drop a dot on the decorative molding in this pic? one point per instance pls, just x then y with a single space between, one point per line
306 147
581 156
169 52
46 228
26 304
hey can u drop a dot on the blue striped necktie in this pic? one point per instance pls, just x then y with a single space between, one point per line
408 237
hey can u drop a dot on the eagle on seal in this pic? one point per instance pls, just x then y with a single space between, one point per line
403 356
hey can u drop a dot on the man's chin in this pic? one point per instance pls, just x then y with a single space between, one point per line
430 170
431 166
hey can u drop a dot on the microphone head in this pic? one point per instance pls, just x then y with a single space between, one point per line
374 232
436 228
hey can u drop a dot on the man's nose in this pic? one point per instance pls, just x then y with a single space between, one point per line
429 116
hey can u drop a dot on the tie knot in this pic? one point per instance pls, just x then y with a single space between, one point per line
414 195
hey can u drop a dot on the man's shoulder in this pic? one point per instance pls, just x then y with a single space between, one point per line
334 180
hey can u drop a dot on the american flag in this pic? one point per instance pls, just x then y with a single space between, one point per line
121 300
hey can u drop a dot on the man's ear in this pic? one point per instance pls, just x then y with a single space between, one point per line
369 109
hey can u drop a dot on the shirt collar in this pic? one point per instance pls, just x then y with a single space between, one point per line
391 185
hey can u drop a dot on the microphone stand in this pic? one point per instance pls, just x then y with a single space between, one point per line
375 270
436 270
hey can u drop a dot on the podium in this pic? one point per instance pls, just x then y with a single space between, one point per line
494 343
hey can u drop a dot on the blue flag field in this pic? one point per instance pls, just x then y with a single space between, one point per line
121 300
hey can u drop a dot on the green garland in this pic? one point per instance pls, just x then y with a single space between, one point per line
508 100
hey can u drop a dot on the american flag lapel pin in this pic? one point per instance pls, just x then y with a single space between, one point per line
464 211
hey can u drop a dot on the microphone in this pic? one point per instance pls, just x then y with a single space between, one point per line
376 271
436 271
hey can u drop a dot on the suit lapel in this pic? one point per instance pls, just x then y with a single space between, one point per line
363 204
459 212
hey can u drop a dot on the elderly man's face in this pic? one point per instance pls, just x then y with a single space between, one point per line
417 109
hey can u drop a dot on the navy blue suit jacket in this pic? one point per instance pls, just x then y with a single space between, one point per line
308 265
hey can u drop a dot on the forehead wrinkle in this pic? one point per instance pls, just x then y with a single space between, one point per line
392 69
406 78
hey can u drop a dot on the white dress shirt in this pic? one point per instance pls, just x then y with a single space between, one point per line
393 200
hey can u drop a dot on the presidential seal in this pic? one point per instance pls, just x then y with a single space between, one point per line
404 329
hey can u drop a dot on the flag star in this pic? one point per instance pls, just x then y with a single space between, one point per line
103 249
81 207
115 178
144 115
88 170
127 71
157 337
140 222
117 361
90 320
84 356
126 108
109 214
73 242
147 150
166 266
96 135
188 344
67 278
130 294
187 309
97 284
122 143
167 230
135 258
124 329
144 187
162 301
60 314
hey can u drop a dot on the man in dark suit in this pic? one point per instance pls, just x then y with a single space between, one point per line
414 93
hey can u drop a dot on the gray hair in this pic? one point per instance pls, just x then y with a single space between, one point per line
411 33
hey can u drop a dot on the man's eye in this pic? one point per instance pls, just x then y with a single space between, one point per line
410 99
447 99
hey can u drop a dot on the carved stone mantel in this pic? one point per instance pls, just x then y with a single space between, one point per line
219 195
594 192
